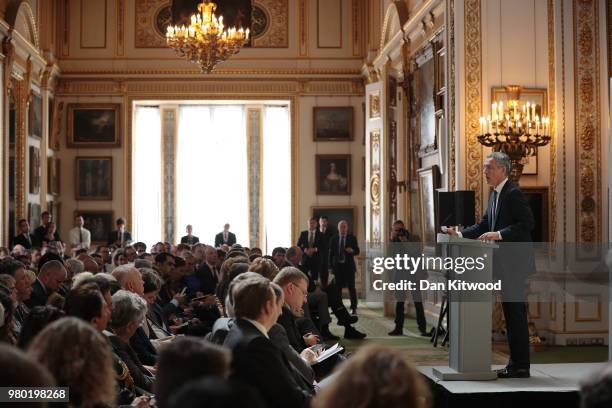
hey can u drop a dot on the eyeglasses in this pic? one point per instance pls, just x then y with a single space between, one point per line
304 292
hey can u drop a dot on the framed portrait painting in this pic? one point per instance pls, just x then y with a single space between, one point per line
335 215
34 170
99 223
333 174
94 178
429 181
34 215
94 125
332 123
53 176
35 115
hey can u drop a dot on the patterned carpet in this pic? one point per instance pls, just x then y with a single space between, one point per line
421 352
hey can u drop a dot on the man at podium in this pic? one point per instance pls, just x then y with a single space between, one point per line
508 218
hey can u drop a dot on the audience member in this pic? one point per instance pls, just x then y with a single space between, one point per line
38 318
51 275
217 393
596 391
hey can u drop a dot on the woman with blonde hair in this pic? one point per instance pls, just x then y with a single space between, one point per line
80 358
265 267
375 377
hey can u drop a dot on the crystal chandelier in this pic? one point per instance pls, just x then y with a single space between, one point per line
515 129
206 41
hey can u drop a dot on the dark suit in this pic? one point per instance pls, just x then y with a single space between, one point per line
324 255
259 363
143 347
514 220
207 278
22 240
231 239
142 377
343 264
288 321
114 238
190 240
39 296
40 233
311 263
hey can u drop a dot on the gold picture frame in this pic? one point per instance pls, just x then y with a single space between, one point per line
94 125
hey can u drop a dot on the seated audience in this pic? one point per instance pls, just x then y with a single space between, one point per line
127 315
51 275
217 393
38 318
374 377
6 318
79 358
187 359
255 360
596 391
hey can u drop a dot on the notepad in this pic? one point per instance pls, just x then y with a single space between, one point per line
335 349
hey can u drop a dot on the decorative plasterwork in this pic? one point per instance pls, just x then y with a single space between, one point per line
588 121
473 99
451 133
255 165
395 18
303 27
120 6
276 34
169 181
552 115
236 87
375 187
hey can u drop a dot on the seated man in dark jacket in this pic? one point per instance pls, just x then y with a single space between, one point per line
256 360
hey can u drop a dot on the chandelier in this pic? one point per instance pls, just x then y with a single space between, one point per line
515 128
206 41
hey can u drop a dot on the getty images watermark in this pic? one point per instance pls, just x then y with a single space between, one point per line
401 264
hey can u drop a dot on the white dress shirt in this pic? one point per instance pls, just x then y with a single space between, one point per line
79 238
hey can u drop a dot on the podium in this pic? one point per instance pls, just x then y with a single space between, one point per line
469 319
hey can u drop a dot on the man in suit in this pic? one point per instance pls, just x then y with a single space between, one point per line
256 361
400 234
508 218
119 237
208 274
342 251
326 233
51 275
190 238
309 242
225 237
25 239
41 231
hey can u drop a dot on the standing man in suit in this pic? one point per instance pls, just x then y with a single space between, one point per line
309 242
79 237
255 359
42 230
25 239
225 237
119 237
342 250
326 233
190 238
208 274
508 218
400 234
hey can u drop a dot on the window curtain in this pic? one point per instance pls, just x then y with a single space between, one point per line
212 171
146 176
276 178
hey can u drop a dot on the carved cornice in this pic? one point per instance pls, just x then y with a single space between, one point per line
588 121
552 115
191 87
473 99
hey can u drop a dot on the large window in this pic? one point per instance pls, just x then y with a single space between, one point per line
212 173
146 180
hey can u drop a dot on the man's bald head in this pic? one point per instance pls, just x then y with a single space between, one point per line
129 278
52 274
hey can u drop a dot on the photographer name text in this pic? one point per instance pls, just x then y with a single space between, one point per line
454 284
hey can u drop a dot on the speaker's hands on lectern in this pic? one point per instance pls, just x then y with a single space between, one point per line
450 231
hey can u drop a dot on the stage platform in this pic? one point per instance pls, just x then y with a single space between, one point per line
549 384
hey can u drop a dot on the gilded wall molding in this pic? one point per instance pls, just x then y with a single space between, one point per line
168 179
552 115
219 73
357 19
68 87
303 27
473 99
255 175
588 121
20 97
120 10
451 133
375 187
